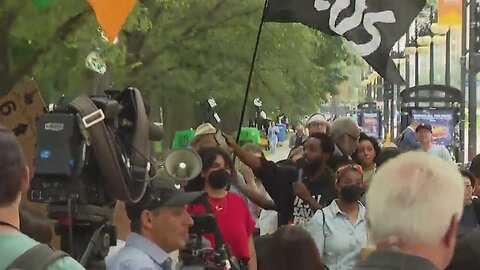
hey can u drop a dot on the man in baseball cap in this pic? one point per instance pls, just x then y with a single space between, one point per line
159 224
424 134
425 127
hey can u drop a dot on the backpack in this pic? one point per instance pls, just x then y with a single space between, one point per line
39 257
398 140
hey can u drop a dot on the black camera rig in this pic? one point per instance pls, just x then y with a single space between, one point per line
91 152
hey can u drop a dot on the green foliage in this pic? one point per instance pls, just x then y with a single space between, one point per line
174 49
432 3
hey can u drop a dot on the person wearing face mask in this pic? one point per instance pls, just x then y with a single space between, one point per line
339 230
233 217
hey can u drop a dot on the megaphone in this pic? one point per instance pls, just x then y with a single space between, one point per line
183 165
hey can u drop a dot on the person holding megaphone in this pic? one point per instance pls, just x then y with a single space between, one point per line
235 223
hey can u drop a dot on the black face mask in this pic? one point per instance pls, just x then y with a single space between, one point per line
351 193
219 178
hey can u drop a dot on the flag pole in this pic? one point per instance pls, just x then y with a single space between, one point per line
252 66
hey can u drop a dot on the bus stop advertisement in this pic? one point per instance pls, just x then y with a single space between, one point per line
442 121
370 122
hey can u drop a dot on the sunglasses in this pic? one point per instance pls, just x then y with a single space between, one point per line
343 169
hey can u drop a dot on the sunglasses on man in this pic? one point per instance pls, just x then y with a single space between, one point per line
341 171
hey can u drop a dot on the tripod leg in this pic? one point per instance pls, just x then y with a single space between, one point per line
90 244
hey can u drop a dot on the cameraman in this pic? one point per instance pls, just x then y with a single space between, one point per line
159 224
14 179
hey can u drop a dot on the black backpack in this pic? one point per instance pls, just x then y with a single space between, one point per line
398 141
39 257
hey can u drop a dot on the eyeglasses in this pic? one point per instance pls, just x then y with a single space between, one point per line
343 169
317 124
355 138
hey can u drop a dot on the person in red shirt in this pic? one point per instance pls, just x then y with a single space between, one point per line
233 216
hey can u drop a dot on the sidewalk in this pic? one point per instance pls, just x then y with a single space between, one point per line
281 152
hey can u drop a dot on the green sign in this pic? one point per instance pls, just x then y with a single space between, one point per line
182 138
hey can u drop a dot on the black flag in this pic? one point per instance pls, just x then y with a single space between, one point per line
371 26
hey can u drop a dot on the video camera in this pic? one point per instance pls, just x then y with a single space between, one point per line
91 152
199 254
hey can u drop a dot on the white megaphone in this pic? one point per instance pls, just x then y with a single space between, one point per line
183 165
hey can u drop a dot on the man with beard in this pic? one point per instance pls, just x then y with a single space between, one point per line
345 134
297 193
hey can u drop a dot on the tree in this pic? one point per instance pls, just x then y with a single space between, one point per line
208 54
24 45
177 52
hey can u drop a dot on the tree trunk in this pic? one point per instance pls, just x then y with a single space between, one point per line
5 25
178 114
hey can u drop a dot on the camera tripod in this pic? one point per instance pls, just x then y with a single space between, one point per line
85 231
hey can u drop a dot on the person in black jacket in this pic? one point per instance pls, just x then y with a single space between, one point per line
297 195
471 207
467 252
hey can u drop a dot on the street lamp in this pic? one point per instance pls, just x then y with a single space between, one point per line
410 50
423 50
442 37
424 41
439 29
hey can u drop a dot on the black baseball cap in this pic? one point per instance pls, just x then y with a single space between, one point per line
162 192
424 126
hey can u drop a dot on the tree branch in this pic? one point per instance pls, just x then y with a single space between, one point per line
59 36
153 56
5 25
208 14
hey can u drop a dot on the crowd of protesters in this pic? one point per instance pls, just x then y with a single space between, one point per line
339 201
